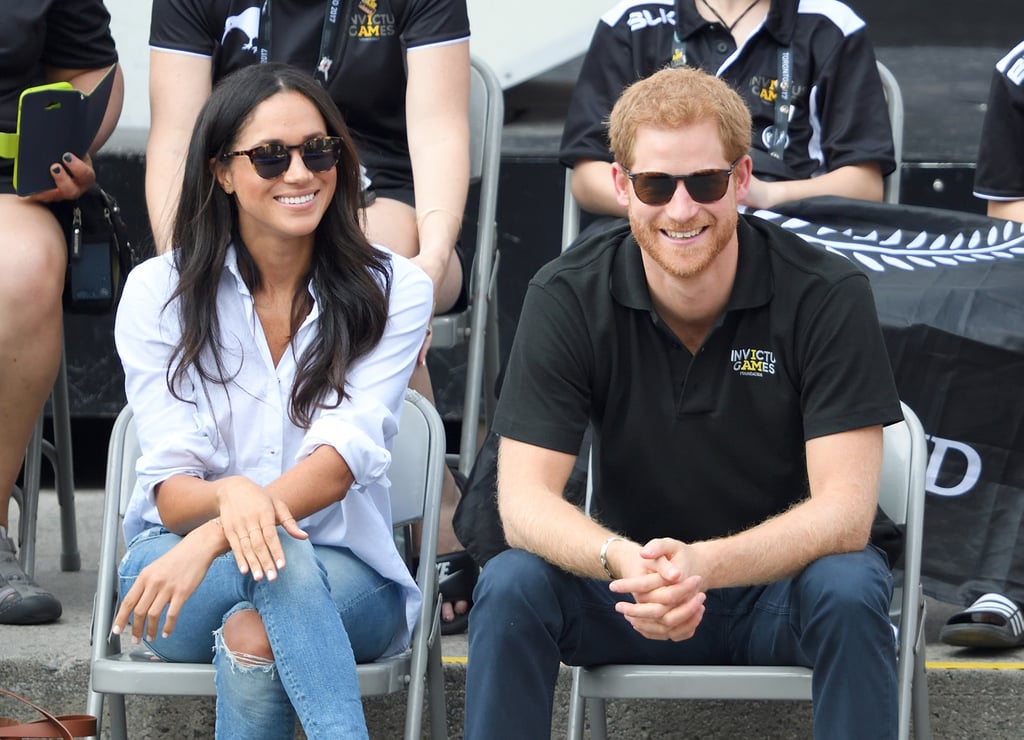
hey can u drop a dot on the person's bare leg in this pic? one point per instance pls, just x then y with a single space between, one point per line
32 261
393 224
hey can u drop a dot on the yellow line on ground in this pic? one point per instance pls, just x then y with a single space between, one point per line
933 665
972 665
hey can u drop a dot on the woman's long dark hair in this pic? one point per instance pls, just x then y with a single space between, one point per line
351 278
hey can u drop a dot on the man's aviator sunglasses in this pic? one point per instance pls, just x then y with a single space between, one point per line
657 188
319 154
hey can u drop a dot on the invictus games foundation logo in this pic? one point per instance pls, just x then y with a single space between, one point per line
370 23
753 362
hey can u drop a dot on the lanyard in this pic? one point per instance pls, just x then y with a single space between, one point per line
783 97
780 135
328 38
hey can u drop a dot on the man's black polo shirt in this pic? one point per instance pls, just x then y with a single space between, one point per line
839 115
700 446
1000 173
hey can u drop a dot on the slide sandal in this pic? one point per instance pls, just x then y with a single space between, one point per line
457 574
993 621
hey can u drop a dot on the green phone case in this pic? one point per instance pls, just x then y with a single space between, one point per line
54 119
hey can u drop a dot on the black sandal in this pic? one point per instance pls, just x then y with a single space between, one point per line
457 574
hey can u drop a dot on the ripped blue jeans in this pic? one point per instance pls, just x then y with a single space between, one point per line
326 611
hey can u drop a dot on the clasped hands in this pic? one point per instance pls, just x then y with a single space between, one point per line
249 515
669 604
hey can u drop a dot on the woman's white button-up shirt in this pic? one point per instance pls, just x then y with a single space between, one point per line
241 427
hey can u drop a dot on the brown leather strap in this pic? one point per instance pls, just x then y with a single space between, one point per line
65 726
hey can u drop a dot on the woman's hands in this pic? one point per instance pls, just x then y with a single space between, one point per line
167 582
249 516
71 177
248 521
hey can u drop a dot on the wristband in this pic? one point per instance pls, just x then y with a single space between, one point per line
604 555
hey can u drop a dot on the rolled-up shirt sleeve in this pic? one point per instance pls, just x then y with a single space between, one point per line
361 427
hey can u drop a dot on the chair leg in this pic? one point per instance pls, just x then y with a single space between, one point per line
435 693
29 499
61 460
94 706
58 454
118 717
919 698
598 719
577 708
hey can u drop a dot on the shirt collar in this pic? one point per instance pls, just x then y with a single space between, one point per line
779 23
754 284
231 267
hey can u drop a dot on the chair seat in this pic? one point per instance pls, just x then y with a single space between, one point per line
696 682
123 674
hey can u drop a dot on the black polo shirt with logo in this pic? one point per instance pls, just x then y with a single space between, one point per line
1000 172
839 114
702 446
368 77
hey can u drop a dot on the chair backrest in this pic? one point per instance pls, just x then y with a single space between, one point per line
478 324
894 104
416 475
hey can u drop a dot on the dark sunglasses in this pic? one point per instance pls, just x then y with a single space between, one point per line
657 188
319 154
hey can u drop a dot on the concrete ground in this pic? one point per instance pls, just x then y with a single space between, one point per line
972 694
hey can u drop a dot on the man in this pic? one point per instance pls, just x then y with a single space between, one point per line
807 72
994 621
737 384
999 178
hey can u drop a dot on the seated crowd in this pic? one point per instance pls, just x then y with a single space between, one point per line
306 202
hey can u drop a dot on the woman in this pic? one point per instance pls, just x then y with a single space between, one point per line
266 359
399 70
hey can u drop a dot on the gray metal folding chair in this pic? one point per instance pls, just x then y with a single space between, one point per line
416 473
901 495
478 324
58 454
894 102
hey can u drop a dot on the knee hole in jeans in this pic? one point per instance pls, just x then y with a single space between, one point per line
244 640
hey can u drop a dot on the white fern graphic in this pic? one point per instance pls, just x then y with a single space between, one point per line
905 250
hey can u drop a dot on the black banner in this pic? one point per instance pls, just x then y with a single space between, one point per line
949 287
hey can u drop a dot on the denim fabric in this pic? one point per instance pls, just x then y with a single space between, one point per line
528 615
326 611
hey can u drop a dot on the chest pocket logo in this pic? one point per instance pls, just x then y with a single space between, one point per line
750 362
248 22
370 23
